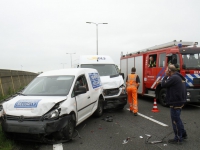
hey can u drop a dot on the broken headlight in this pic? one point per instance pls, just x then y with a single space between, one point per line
1 108
54 114
2 112
123 89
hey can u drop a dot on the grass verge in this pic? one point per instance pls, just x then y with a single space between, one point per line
5 144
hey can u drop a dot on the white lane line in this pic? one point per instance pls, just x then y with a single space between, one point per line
158 122
194 105
58 146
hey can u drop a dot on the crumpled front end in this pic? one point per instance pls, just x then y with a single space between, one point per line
115 98
33 128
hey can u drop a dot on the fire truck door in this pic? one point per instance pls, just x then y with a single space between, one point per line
150 71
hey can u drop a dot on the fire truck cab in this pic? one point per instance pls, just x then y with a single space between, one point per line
184 55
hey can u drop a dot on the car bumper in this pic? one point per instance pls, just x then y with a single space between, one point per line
34 127
115 102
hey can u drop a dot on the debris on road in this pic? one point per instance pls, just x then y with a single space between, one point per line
126 140
108 119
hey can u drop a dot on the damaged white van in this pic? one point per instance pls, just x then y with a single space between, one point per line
112 81
50 107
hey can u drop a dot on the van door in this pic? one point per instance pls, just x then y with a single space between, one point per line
84 100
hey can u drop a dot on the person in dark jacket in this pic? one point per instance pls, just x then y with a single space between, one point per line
176 98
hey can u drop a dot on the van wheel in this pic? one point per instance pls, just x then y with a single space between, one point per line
99 111
68 130
162 97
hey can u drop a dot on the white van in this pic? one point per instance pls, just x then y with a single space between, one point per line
52 105
112 81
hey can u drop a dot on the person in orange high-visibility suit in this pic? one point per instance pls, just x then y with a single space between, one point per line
132 84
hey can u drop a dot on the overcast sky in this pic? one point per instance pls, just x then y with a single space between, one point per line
35 35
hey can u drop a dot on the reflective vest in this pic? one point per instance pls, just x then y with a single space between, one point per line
132 80
152 64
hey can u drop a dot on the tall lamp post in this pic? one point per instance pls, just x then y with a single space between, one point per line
63 64
96 31
71 57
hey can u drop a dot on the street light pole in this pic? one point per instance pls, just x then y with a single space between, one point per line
63 64
96 31
71 57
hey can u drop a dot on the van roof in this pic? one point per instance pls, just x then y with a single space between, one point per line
69 71
96 59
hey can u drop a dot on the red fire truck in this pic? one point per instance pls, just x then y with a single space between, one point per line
184 55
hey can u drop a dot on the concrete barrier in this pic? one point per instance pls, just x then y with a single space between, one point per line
12 81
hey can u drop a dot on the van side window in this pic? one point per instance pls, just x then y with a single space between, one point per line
162 60
81 81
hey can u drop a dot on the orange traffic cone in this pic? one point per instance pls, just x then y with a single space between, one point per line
155 109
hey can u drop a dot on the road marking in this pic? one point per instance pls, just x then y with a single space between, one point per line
58 146
194 105
158 122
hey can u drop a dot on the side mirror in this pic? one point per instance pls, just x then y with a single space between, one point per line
174 59
80 90
122 74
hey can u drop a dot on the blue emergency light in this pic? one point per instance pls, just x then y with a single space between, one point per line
180 45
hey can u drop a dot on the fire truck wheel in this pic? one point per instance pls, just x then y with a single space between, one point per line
162 97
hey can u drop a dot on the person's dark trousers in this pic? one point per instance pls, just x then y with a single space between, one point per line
177 124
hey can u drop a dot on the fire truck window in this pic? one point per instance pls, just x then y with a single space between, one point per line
169 60
162 60
152 61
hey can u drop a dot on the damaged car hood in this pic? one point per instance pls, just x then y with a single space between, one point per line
31 105
111 82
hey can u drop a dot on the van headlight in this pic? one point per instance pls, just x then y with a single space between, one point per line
54 114
1 108
2 113
123 90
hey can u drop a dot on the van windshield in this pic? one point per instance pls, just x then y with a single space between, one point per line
49 86
103 69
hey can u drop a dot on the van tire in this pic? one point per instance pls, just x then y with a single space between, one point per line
99 111
162 97
68 130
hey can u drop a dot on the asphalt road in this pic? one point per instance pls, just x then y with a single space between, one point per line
98 134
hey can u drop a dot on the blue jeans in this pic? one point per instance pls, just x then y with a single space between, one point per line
177 124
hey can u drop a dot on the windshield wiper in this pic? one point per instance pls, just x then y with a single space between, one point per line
21 94
112 76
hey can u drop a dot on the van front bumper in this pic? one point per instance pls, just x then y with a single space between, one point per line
115 102
34 127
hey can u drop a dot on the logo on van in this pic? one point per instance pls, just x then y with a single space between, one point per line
95 80
97 58
26 103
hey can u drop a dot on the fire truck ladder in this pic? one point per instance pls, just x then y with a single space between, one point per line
169 44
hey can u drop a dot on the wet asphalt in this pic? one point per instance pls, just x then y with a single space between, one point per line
121 130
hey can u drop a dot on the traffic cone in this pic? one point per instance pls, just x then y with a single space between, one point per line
155 109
